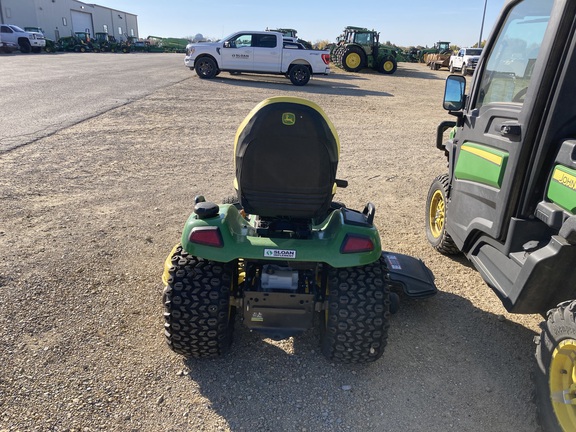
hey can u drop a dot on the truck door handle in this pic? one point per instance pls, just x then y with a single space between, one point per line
510 129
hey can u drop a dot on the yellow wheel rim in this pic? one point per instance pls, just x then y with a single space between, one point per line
437 214
388 65
353 60
563 384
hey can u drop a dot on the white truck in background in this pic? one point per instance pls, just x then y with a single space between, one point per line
465 60
257 52
13 38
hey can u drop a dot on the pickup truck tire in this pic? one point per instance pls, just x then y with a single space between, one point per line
353 59
464 70
451 68
25 46
299 75
206 68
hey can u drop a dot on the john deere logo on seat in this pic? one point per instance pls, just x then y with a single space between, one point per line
288 119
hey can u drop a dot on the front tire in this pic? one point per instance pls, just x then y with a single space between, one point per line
299 75
436 217
25 46
356 321
464 70
556 371
388 65
206 68
199 320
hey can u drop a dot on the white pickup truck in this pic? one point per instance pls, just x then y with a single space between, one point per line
13 37
258 52
465 60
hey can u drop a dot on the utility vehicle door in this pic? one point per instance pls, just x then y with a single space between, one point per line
237 53
494 147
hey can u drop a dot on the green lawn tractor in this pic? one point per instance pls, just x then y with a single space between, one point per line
508 200
359 48
282 255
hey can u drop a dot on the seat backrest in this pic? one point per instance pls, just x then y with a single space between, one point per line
286 156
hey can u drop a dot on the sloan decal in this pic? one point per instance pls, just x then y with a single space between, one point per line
280 253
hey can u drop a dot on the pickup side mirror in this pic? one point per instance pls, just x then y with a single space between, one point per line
227 44
454 96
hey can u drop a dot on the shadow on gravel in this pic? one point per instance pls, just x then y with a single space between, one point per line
321 85
448 366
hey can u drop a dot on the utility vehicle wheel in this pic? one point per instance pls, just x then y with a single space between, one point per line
464 70
387 65
556 371
436 217
353 59
199 321
299 75
355 323
206 68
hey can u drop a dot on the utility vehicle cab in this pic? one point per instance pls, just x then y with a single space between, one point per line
508 201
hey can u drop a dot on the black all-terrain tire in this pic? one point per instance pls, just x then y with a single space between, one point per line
388 65
436 217
356 321
25 46
199 321
299 75
555 375
206 68
353 59
464 70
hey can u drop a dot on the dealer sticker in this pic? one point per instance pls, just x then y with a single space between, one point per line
280 253
394 263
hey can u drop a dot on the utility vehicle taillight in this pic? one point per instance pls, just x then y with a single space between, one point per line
355 244
207 236
326 58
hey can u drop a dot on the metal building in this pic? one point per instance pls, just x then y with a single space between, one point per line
59 18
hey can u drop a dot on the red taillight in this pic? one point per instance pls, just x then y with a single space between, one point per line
356 244
326 58
207 236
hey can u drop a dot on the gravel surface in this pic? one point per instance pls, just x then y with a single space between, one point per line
90 211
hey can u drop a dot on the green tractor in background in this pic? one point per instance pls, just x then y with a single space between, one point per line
106 42
359 48
291 33
440 47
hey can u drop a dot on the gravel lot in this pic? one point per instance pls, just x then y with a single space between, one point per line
92 205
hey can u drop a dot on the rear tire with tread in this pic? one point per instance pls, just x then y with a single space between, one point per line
299 75
355 324
199 321
556 369
353 59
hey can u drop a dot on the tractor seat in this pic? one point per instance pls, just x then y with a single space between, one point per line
286 156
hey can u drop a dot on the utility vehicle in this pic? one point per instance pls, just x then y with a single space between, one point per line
508 200
282 253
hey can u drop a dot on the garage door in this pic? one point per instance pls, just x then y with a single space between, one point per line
82 22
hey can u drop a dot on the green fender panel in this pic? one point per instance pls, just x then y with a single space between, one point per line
240 241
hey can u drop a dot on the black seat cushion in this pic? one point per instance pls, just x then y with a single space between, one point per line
286 161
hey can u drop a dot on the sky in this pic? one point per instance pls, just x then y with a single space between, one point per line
403 23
